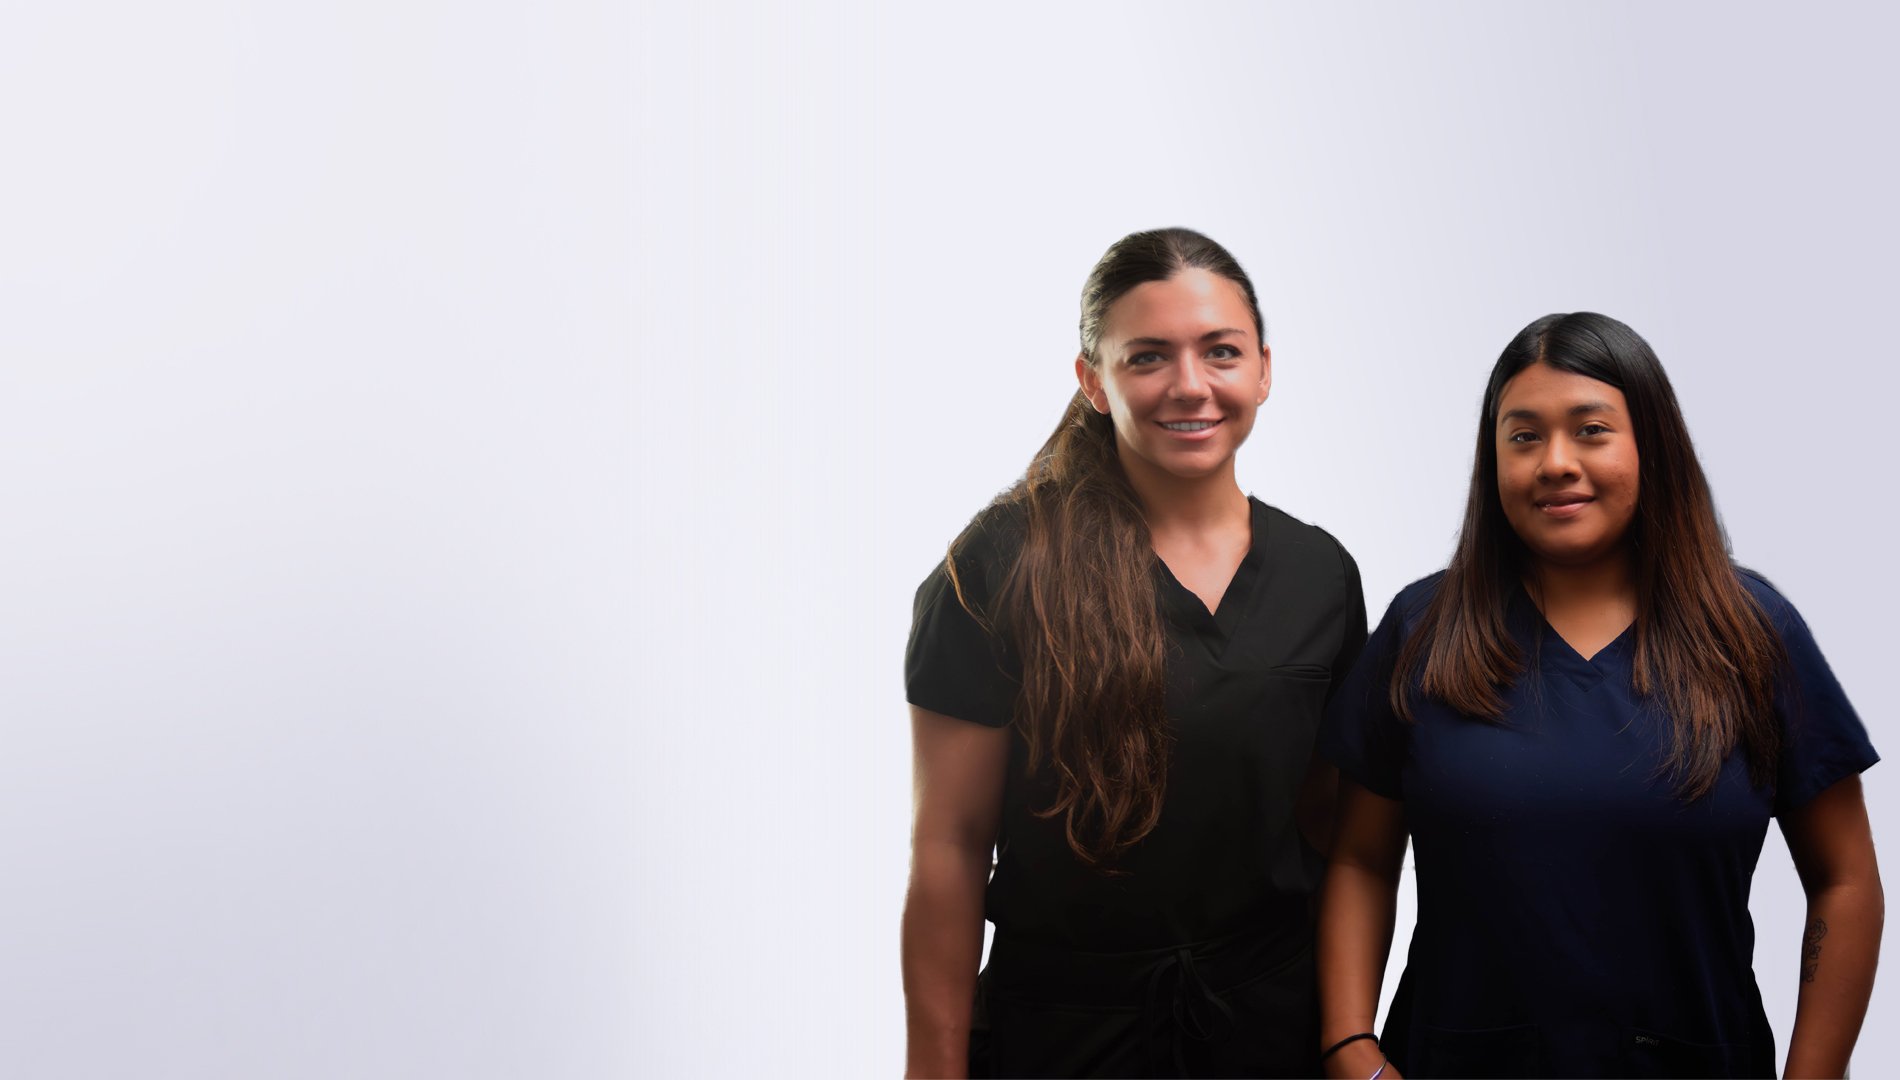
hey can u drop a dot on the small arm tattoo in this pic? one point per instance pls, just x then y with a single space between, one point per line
1811 949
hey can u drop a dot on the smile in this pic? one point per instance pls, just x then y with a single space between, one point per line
1564 506
1190 425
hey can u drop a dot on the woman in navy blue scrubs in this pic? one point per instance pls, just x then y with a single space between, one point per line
1585 723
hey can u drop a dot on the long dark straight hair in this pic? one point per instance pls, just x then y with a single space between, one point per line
1079 602
1706 653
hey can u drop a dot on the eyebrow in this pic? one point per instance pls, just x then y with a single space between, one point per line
1582 409
1150 342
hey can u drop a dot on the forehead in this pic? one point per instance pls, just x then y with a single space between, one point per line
1543 389
1182 307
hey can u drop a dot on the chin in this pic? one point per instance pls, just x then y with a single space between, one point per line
1190 470
1573 555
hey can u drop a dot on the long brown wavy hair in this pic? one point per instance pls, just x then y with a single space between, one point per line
1707 655
1079 604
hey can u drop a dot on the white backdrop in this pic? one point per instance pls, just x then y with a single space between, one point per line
1408 186
465 467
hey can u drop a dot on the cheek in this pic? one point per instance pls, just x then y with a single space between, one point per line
1627 490
1243 398
1115 396
1513 479
1631 483
1129 394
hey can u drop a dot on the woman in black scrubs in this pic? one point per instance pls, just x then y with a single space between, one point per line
1585 723
1116 679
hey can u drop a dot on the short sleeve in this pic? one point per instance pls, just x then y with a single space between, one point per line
954 665
1353 641
1823 739
1361 735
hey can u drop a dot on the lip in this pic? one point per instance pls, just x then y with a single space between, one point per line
1213 424
1564 504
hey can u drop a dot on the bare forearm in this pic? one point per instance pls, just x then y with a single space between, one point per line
943 945
1355 936
1839 947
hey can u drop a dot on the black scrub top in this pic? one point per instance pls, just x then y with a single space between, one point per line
1575 917
1246 687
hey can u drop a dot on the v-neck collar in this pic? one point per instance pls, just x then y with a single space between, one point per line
1217 627
1549 645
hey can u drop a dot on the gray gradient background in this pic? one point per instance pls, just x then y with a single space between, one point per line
465 467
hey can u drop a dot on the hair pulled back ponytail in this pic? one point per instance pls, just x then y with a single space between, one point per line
1079 604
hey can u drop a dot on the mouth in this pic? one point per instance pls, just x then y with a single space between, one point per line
1565 505
1189 431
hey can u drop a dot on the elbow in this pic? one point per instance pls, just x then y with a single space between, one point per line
1860 897
953 841
1382 864
950 861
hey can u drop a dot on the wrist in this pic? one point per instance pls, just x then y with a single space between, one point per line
1331 1034
1344 1041
936 1066
940 1050
1355 1061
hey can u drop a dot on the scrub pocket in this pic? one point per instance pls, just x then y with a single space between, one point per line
1652 1053
1481 1054
1013 1037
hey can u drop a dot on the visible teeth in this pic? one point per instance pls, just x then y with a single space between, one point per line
1190 425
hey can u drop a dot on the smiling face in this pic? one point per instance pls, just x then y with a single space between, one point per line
1567 465
1181 370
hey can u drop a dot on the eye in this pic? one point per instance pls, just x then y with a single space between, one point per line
1224 352
1521 437
1140 359
1593 429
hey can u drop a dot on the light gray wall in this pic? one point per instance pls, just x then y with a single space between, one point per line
463 468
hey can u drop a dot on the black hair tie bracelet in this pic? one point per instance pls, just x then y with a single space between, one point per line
1348 1040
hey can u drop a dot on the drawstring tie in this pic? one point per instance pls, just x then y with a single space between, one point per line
1197 1012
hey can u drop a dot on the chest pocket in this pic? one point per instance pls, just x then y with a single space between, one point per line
1243 754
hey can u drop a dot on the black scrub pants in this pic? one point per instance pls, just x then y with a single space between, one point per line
1244 1005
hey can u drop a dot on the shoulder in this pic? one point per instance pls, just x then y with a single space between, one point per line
1411 601
992 540
1758 585
1314 564
958 662
1779 609
982 555
1289 537
1407 609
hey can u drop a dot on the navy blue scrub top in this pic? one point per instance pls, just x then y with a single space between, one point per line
1246 688
1575 917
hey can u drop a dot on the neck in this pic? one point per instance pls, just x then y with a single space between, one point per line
1609 580
1173 503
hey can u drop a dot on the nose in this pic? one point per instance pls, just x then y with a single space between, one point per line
1559 462
1190 382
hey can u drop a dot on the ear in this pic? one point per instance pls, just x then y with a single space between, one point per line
1091 381
1266 375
